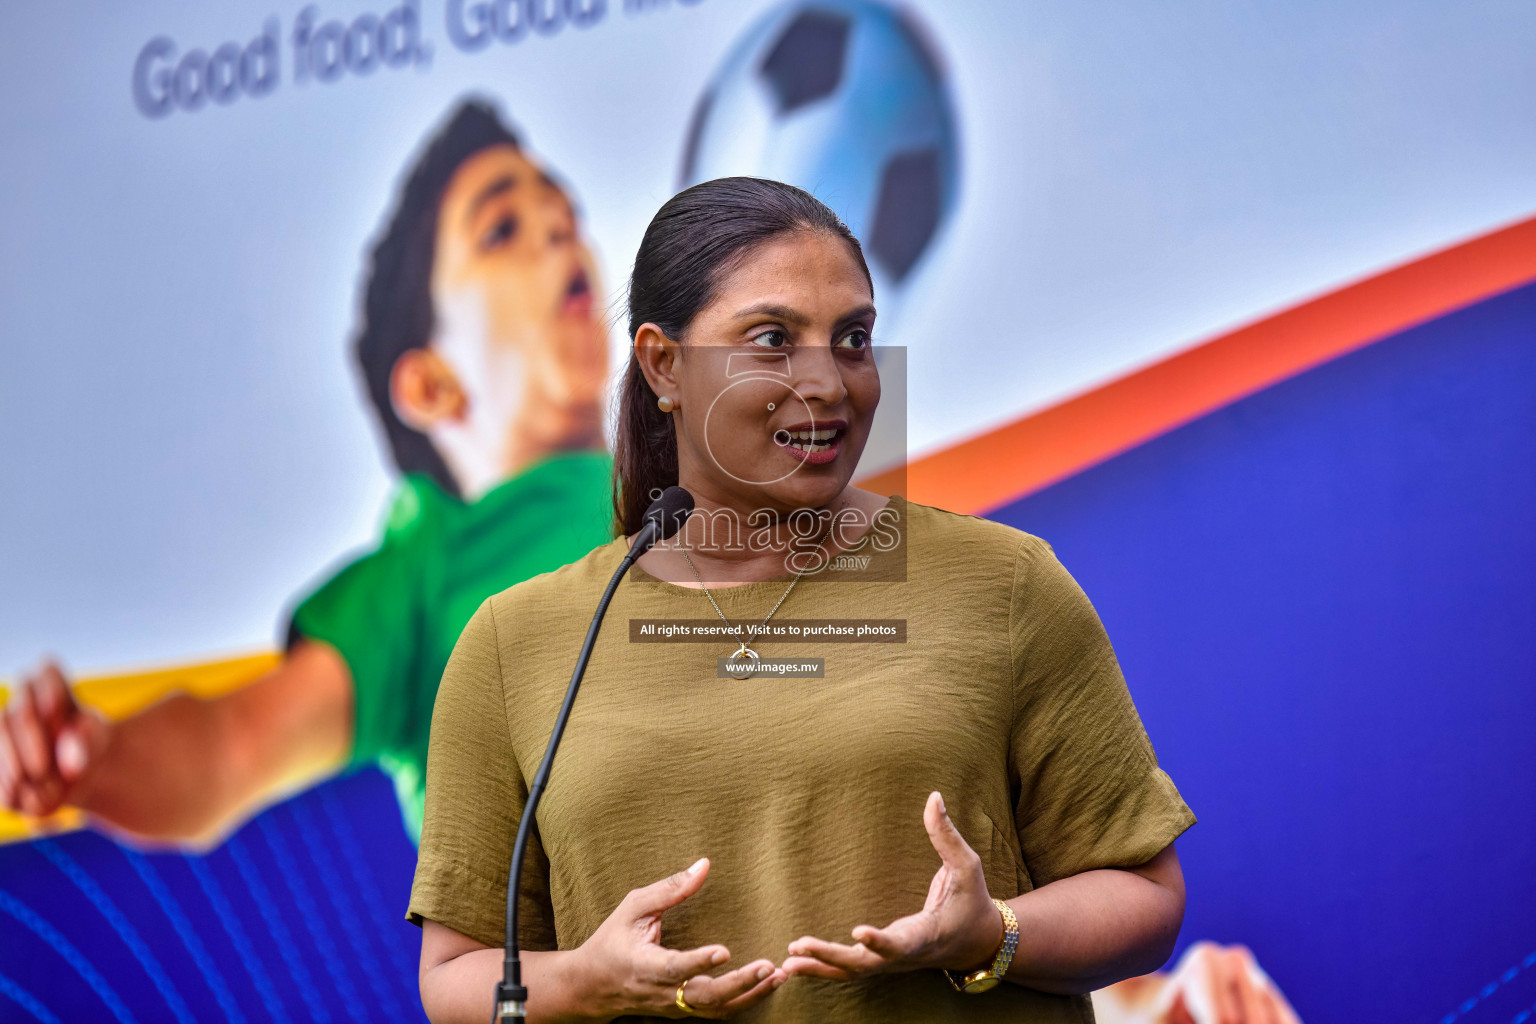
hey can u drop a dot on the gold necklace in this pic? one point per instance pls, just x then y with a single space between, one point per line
743 663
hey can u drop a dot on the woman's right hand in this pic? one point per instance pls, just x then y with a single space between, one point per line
48 743
626 970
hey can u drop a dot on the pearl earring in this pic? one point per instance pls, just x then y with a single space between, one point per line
665 404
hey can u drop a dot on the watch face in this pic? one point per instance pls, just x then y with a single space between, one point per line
982 984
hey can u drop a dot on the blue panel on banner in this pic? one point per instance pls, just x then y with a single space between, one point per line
95 932
1324 599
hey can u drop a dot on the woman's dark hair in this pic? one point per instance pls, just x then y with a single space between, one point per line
397 294
696 238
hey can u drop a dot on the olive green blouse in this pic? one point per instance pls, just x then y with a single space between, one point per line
807 794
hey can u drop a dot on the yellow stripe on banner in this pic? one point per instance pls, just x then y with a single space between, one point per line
119 695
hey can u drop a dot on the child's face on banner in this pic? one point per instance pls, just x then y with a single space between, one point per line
514 297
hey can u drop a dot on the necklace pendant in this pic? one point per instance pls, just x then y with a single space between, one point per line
742 664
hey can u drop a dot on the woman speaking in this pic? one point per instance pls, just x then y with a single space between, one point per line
968 824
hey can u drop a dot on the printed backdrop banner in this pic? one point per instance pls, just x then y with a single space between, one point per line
1235 307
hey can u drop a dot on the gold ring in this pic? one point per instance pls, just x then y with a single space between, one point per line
682 1004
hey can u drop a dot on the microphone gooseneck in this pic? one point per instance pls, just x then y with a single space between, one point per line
664 518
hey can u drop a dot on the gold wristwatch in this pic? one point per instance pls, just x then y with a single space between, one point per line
989 977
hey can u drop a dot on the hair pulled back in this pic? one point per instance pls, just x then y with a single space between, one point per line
696 238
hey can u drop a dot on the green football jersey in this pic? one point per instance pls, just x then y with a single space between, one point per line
396 613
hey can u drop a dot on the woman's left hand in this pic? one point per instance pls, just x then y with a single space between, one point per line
958 927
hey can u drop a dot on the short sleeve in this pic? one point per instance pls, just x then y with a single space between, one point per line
474 801
1091 794
369 612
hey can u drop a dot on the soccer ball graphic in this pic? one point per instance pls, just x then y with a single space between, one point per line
848 100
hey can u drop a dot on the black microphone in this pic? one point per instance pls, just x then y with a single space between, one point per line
663 519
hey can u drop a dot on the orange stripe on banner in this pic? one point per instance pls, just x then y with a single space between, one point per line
1021 457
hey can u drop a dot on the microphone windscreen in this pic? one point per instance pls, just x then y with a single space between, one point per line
670 511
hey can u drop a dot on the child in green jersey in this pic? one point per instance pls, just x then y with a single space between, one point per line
485 358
